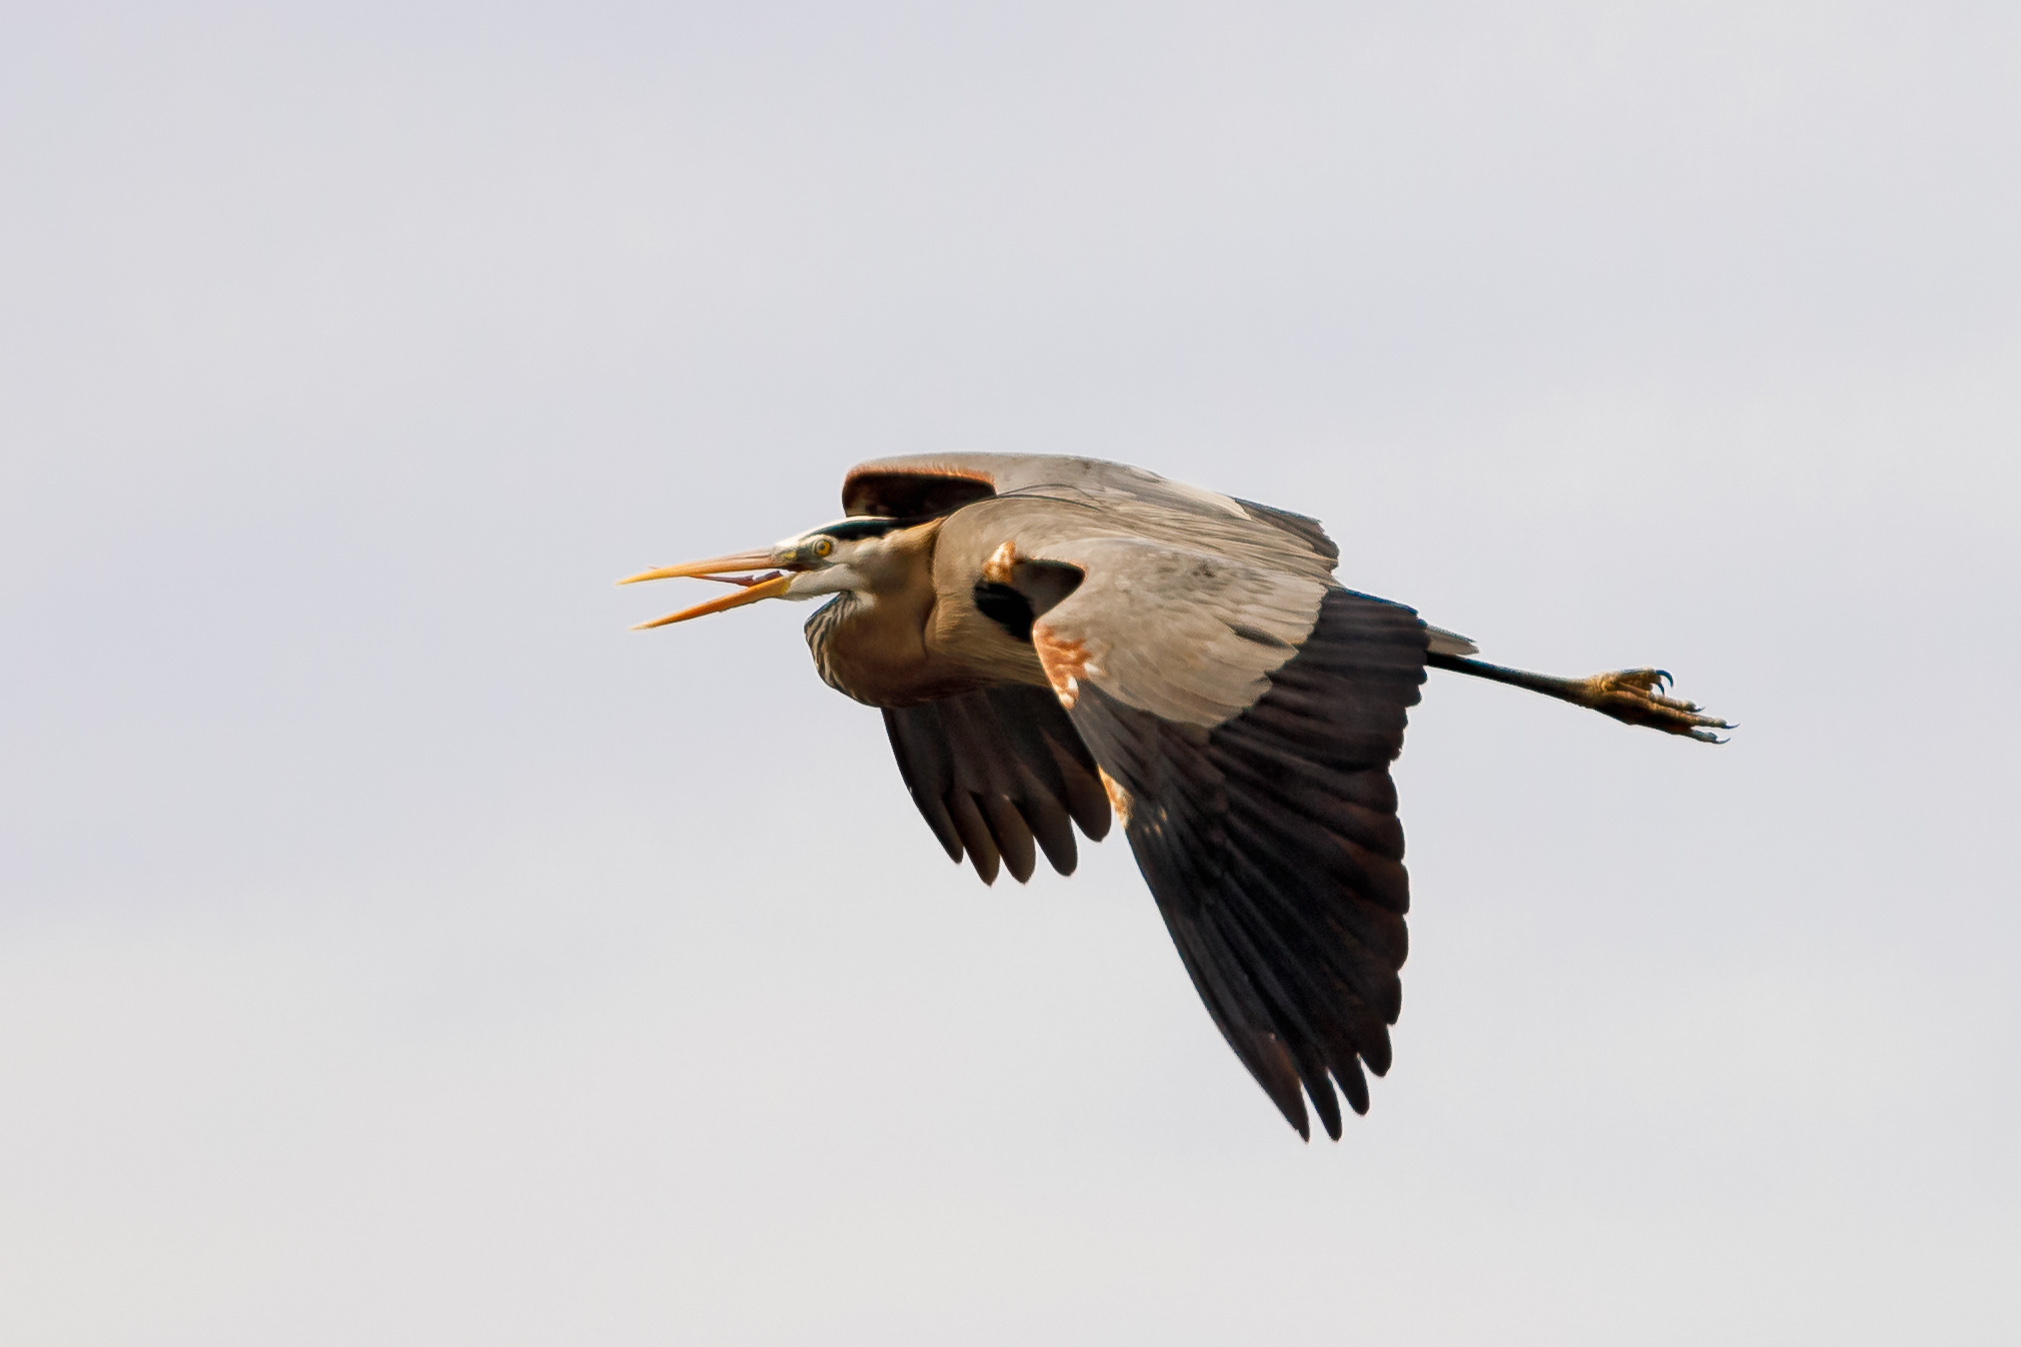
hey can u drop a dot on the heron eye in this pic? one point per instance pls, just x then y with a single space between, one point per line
823 546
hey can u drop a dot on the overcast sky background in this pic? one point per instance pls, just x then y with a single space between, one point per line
395 949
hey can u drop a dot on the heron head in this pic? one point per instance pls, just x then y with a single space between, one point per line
844 555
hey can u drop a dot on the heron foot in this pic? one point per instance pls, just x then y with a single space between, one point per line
1640 697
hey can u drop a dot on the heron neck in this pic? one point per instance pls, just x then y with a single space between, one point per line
870 643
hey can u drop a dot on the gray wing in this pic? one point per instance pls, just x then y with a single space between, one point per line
924 485
1244 718
995 770
1130 502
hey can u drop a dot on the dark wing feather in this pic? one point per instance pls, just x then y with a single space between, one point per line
1271 844
996 770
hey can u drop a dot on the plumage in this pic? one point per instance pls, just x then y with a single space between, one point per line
1054 642
1004 748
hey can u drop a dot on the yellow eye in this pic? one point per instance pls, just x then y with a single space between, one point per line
823 546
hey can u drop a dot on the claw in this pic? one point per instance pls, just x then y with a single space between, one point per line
1638 697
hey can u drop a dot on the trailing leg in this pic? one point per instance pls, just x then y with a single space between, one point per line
1631 696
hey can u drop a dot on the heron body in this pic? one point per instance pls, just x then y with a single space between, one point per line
1060 643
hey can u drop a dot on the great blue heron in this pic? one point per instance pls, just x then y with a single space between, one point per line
1055 639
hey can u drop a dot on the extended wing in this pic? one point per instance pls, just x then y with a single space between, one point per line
1244 716
1242 710
1271 843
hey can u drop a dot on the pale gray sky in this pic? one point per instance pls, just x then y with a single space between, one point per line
393 949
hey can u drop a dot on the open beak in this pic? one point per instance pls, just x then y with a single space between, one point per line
751 588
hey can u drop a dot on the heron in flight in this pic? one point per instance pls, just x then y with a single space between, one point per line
1059 642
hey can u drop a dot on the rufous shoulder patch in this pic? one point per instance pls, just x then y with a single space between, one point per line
1065 662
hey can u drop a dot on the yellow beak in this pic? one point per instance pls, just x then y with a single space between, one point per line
717 568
